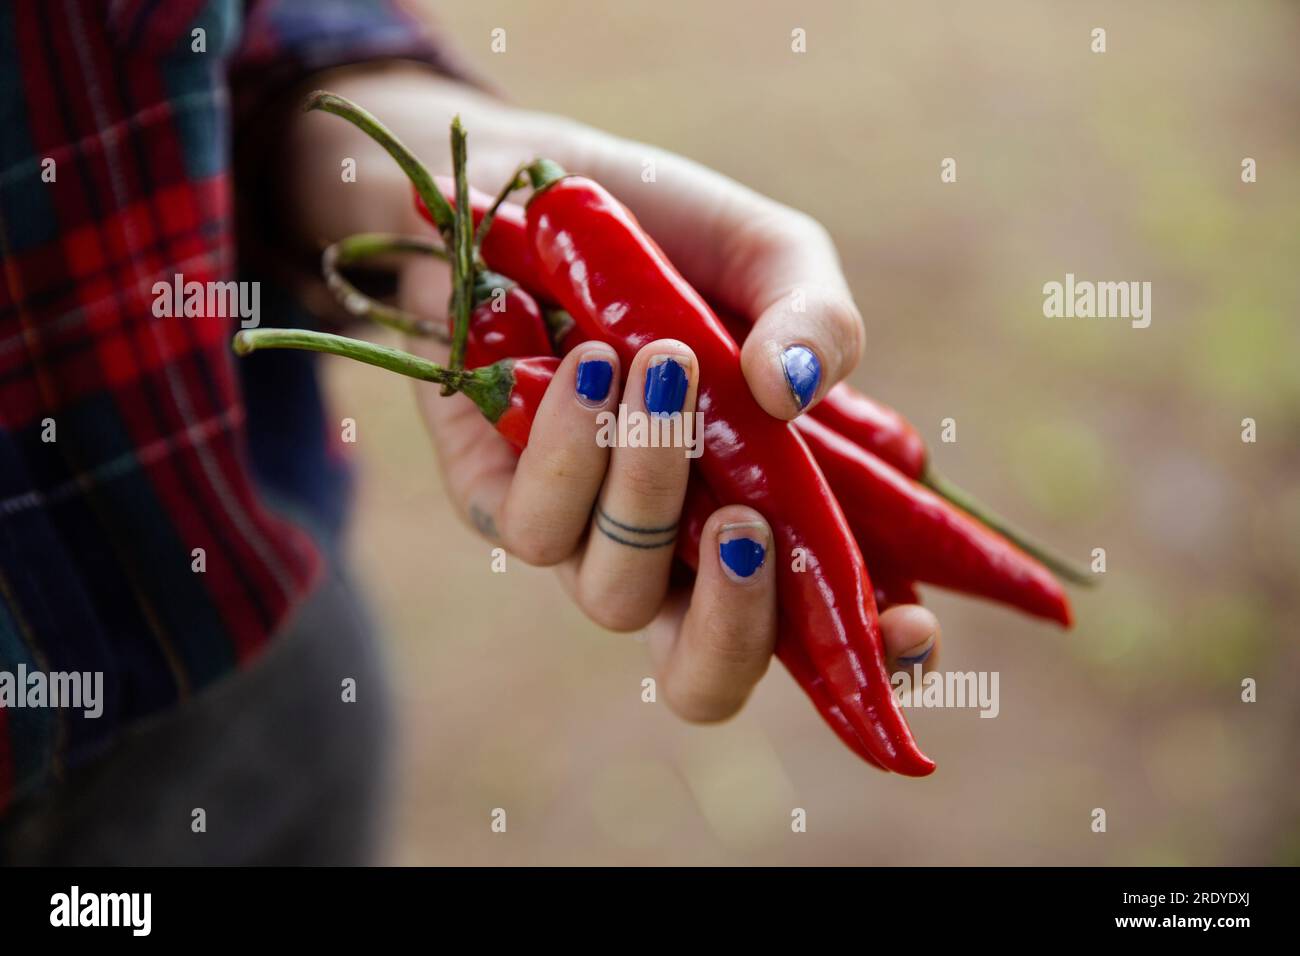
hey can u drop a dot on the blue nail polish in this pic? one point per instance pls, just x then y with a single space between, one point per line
593 380
803 372
743 556
919 658
665 387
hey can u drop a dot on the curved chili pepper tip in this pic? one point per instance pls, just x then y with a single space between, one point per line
907 757
919 766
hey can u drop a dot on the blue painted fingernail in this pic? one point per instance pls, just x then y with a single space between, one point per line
665 387
803 372
743 556
593 380
920 655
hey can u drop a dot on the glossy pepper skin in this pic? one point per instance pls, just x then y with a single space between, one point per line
506 322
906 527
530 376
874 426
616 284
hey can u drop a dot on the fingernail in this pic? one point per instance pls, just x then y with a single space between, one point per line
803 372
918 654
593 380
741 552
665 386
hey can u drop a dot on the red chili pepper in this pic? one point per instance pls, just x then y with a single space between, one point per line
616 285
906 527
505 323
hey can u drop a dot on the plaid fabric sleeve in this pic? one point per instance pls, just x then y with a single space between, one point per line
138 563
136 550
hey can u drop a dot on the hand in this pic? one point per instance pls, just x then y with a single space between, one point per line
605 518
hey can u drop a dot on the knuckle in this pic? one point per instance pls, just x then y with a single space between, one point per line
701 706
756 234
616 606
535 545
620 617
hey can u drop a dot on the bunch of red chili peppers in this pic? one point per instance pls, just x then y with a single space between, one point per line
849 484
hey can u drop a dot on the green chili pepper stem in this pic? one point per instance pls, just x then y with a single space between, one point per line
1054 562
462 248
415 171
488 387
395 360
517 180
542 172
366 245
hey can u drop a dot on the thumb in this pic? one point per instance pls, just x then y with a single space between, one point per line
807 334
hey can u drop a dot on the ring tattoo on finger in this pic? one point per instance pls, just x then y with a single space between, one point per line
633 536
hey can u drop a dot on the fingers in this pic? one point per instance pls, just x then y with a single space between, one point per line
807 334
911 635
546 510
711 654
624 572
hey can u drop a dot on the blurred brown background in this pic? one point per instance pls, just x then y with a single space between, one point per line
1115 166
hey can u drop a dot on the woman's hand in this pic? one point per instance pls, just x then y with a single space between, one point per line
606 518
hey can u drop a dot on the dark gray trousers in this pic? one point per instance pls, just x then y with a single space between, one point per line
285 771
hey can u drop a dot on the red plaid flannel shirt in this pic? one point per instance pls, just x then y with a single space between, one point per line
115 174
